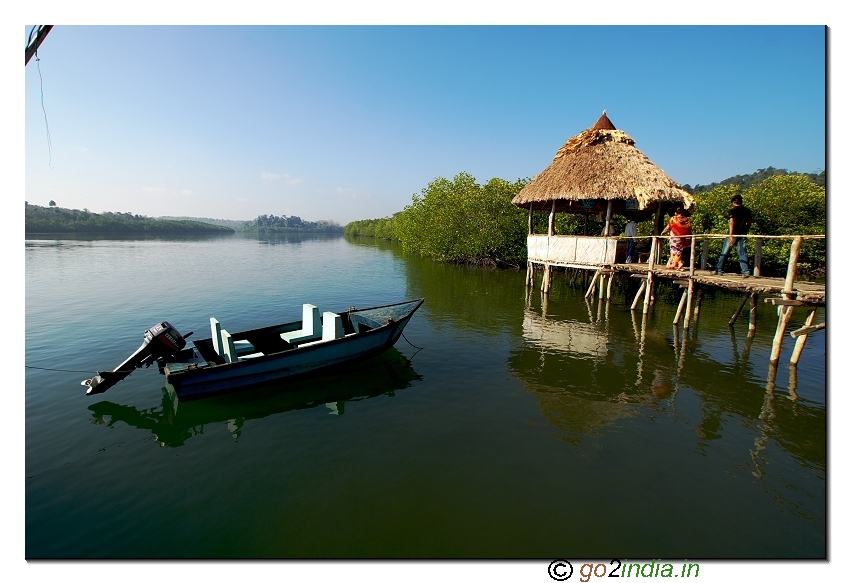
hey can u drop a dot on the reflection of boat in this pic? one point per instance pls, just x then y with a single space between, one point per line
174 421
227 362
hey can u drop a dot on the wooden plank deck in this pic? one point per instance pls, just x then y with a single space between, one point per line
807 291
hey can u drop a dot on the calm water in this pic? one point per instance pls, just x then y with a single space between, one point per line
523 428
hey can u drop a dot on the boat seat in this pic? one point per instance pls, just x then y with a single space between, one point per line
229 349
331 328
311 327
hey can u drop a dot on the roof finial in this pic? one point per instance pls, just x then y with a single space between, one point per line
604 111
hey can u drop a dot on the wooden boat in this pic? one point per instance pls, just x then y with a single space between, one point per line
227 362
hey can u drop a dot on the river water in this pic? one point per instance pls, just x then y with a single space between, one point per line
503 424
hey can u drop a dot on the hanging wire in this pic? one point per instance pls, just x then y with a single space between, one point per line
41 83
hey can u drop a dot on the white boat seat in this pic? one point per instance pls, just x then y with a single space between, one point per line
311 327
331 328
237 348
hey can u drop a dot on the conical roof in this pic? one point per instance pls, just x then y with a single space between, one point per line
602 163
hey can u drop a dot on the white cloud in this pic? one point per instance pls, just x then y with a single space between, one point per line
349 193
269 176
186 192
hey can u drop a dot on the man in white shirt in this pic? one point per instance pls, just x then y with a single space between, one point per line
631 231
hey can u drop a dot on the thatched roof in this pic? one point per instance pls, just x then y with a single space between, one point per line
601 163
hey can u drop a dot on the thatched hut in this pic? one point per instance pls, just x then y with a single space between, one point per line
599 171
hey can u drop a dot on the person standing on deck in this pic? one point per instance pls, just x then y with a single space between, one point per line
679 228
740 219
631 231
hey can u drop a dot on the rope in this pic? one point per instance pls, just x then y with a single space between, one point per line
76 371
409 342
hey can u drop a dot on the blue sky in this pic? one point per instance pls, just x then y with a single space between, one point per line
347 122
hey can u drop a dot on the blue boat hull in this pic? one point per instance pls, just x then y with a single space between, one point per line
192 382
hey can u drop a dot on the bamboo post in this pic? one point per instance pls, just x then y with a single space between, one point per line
602 285
688 306
530 218
639 294
740 308
529 275
680 308
693 255
650 264
801 339
590 288
547 279
753 314
610 283
552 220
698 305
785 312
757 258
704 261
608 219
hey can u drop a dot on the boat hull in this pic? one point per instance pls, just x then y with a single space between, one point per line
193 383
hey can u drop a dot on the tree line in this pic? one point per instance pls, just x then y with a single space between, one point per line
265 224
54 219
462 221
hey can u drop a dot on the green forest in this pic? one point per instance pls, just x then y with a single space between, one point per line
54 219
462 221
268 224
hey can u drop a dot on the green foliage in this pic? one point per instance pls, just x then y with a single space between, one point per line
265 224
39 219
461 221
748 180
783 204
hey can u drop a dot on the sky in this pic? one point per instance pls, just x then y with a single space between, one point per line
347 122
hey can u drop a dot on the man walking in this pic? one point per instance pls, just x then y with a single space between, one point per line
631 231
740 219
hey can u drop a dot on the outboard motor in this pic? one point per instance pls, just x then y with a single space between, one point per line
160 340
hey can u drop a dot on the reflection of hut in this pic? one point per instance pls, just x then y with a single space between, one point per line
599 171
576 338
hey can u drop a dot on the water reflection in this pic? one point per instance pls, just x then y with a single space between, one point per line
173 422
589 373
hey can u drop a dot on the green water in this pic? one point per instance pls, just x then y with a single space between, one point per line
525 427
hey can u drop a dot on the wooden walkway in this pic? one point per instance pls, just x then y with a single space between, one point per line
809 293
784 293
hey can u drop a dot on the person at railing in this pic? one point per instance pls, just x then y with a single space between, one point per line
679 228
631 231
740 219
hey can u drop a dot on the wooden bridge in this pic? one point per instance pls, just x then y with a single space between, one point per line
604 256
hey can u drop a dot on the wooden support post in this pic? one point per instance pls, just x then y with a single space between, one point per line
688 306
784 317
801 339
785 311
552 220
610 283
703 264
680 308
757 258
651 264
530 218
590 288
740 307
639 294
698 305
753 314
547 279
693 255
607 230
